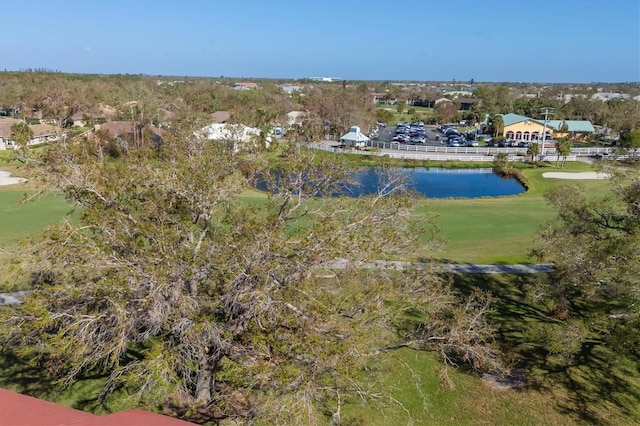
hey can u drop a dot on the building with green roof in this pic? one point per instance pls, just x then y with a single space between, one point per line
521 128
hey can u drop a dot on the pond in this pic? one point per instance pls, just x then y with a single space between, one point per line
433 183
445 183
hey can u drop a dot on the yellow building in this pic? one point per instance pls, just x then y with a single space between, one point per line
520 128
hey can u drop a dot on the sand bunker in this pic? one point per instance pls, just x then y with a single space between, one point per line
6 179
581 175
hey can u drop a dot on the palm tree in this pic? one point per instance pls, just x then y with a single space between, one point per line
563 147
400 108
534 150
497 124
500 160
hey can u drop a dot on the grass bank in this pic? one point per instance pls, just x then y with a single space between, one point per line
479 230
501 229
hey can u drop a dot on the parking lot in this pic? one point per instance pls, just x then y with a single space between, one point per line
433 136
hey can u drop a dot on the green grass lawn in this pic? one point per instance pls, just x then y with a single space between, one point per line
599 386
410 392
423 112
24 217
23 214
501 229
498 230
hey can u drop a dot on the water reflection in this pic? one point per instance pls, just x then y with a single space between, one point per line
430 182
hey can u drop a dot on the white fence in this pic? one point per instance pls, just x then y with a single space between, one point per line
576 152
443 153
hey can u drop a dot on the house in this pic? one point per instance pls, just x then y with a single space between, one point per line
18 409
237 134
607 96
295 117
245 85
430 101
522 128
354 138
128 131
5 131
458 93
575 128
41 133
78 119
466 103
441 100
289 89
384 99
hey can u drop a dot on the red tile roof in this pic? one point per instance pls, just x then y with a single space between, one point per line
21 410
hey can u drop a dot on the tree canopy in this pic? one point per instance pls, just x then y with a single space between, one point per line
595 246
21 133
630 140
191 295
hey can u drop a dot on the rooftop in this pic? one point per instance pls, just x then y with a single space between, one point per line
21 410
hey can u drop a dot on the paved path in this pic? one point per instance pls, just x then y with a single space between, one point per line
534 268
456 268
12 298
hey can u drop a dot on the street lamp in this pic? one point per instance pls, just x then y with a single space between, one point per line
544 128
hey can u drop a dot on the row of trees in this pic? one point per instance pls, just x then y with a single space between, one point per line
59 96
330 108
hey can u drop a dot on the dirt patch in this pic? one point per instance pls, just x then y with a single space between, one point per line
516 379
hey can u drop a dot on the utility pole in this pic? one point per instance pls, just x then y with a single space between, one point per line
544 129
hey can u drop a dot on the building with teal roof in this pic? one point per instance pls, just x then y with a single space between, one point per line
524 129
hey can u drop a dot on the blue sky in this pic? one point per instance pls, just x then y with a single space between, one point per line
485 40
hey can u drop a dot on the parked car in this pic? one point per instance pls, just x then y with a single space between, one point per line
472 142
402 138
507 143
